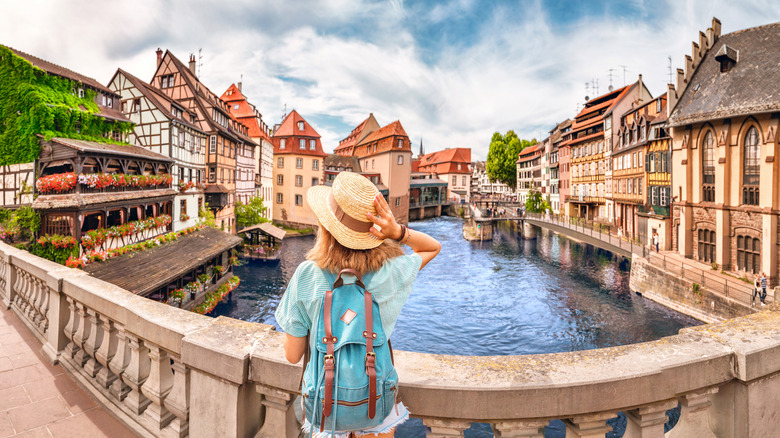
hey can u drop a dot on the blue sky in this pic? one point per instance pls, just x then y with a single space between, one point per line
453 72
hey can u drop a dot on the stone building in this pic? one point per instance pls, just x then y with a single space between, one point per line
724 120
529 173
298 165
164 126
227 137
388 152
451 165
482 187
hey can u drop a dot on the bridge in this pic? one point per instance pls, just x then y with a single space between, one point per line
166 372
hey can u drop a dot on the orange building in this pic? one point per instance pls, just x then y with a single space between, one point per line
452 165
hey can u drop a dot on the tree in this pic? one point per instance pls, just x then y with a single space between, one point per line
250 213
501 162
536 203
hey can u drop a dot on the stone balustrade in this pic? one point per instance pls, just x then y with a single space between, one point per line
166 372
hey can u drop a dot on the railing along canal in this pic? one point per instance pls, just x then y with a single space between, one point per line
166 372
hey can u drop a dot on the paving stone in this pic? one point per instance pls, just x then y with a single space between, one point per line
5 364
11 338
78 401
49 370
50 387
15 348
41 432
25 359
13 398
94 423
38 414
6 429
19 376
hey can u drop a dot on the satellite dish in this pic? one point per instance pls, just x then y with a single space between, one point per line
611 88
587 98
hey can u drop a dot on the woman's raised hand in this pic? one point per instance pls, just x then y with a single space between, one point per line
385 225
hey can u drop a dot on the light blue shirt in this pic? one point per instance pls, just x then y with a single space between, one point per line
390 287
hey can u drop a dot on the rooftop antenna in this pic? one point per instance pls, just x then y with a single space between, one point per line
597 87
587 93
284 116
200 62
669 58
610 79
624 73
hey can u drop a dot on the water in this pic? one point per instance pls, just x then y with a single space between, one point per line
512 296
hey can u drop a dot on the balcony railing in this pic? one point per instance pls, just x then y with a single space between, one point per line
166 372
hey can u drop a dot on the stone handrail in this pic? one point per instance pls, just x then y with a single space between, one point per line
167 372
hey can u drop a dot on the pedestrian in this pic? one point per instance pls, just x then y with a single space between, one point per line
756 290
655 240
359 241
763 289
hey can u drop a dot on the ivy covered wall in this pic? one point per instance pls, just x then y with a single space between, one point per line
33 102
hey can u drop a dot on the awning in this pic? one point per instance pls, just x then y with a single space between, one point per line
267 228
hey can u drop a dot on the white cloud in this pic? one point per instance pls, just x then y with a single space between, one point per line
337 61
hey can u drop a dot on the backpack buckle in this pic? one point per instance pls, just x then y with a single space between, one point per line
328 356
371 355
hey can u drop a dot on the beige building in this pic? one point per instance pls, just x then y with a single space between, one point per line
298 165
724 122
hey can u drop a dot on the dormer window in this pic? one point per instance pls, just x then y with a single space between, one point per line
727 57
300 126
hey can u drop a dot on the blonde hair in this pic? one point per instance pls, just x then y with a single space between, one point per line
330 255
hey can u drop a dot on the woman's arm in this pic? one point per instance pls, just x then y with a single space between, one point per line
294 347
424 245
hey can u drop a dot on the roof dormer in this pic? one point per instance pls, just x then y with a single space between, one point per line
727 57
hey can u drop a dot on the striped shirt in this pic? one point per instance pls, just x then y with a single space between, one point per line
390 287
763 282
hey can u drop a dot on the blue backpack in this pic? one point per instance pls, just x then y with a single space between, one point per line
349 383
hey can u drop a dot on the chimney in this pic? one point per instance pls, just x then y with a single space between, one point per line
159 57
193 64
239 87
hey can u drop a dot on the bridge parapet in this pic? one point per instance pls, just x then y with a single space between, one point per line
167 372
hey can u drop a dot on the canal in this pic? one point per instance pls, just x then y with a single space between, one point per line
511 296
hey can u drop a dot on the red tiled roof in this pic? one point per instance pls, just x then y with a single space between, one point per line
530 149
289 127
390 130
383 140
243 111
444 162
159 99
351 139
289 131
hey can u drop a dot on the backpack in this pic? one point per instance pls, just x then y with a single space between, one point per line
349 383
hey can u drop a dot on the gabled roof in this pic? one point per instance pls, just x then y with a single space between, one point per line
54 69
337 161
111 148
393 129
750 86
445 161
244 111
360 132
160 100
289 127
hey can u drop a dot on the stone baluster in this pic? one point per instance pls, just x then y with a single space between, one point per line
158 385
104 355
71 329
119 363
82 335
21 290
648 421
279 419
178 400
136 374
93 343
694 415
6 278
33 311
588 426
15 285
45 303
445 427
520 429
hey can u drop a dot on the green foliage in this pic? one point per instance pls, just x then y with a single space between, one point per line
207 217
20 224
250 213
501 162
696 289
34 103
54 253
536 203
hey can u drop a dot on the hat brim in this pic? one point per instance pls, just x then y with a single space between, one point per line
318 198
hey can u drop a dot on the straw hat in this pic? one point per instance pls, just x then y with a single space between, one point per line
342 209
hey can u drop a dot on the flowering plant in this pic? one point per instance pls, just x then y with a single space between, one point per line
103 180
184 217
184 186
57 241
60 182
213 298
95 238
176 295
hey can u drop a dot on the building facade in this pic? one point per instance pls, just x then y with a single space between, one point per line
724 147
452 165
298 165
164 126
482 187
529 174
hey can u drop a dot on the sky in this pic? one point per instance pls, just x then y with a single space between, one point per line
453 72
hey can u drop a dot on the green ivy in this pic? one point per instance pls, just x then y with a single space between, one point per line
33 102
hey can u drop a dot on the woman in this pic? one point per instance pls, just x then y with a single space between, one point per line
757 290
357 231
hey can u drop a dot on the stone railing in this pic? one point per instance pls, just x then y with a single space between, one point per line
167 372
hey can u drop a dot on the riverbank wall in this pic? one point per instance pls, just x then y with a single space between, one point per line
681 294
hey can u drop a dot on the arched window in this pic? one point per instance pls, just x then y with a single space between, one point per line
706 240
748 254
708 167
751 167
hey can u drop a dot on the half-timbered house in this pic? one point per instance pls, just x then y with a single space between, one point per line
226 135
164 126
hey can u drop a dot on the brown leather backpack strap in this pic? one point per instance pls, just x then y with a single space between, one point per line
329 359
340 282
370 355
392 360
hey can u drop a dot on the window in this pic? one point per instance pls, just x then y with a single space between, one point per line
398 201
751 167
315 165
400 159
454 180
282 143
212 174
708 168
279 198
299 200
166 81
400 143
300 126
221 175
279 180
315 181
372 163
654 200
302 143
748 254
299 163
312 145
463 179
236 106
706 245
183 208
137 105
280 162
298 181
